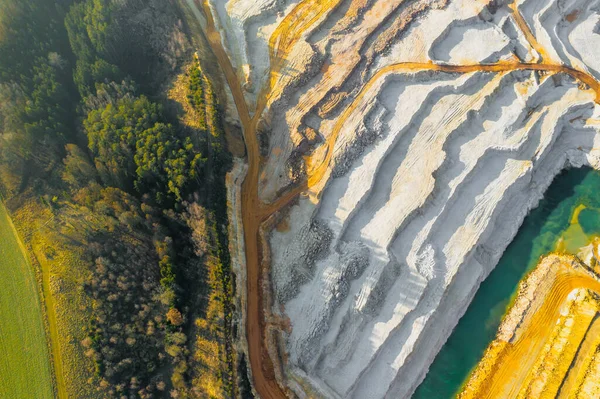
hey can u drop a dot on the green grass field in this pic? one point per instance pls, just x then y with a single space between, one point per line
25 369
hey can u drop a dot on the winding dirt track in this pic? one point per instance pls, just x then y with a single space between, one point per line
261 365
254 212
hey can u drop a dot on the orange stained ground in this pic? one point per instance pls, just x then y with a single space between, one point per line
585 354
254 212
519 357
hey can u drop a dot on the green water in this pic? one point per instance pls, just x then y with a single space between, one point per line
565 220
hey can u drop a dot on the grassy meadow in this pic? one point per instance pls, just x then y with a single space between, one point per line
25 368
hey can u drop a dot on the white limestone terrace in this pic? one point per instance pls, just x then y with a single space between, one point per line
431 176
425 211
247 26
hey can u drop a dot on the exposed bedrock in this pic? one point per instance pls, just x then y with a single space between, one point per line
429 173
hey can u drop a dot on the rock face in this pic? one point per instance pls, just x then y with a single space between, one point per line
421 164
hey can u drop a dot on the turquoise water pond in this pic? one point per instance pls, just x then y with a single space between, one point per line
566 219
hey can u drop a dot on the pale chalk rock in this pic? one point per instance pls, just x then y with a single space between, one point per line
432 173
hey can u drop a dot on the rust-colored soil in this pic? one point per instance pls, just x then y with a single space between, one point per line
536 361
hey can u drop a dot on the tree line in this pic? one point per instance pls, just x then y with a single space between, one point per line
82 121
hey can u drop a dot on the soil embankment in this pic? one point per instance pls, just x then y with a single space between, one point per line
540 334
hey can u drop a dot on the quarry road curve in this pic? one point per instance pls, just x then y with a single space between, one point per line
317 168
304 15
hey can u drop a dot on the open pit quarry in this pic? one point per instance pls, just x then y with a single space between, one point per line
394 148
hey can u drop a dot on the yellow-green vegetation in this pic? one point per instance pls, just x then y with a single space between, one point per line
61 265
213 361
25 366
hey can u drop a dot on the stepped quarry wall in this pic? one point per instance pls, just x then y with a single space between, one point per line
416 165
